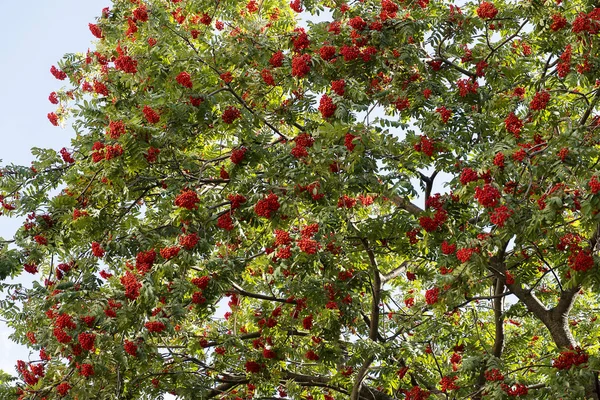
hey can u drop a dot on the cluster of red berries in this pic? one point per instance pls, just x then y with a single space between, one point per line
448 383
252 367
110 311
187 199
31 268
237 155
276 59
513 124
126 64
30 378
31 337
66 156
301 65
350 53
416 393
267 77
425 146
170 252
570 358
448 248
487 195
493 375
328 53
87 340
130 348
116 129
282 238
558 22
309 246
432 295
132 286
96 31
518 389
63 388
236 200
582 261
540 100
486 10
152 154
466 86
465 254
151 115
468 175
57 73
346 201
155 326
189 241
185 79
53 118
349 141
296 5
85 370
144 261
225 221
268 206
594 185
201 282
100 88
231 114
300 40
445 114
61 336
327 106
141 13
302 142
432 224
564 64
402 103
500 215
97 250
338 87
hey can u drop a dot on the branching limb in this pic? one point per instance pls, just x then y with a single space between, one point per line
242 292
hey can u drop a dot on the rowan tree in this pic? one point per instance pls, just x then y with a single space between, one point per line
237 216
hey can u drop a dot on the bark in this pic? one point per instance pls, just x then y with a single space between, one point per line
555 319
498 319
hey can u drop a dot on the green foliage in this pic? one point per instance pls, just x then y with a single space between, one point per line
236 215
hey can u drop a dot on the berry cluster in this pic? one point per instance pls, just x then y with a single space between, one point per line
87 340
231 114
487 195
151 115
132 286
187 199
570 358
268 206
184 79
487 10
500 215
327 107
432 295
540 101
155 326
130 348
170 252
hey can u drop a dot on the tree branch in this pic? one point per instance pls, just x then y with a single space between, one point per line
498 319
407 205
375 290
240 291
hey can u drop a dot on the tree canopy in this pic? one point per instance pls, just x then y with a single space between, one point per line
238 214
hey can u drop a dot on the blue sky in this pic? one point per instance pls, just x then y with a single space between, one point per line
34 35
